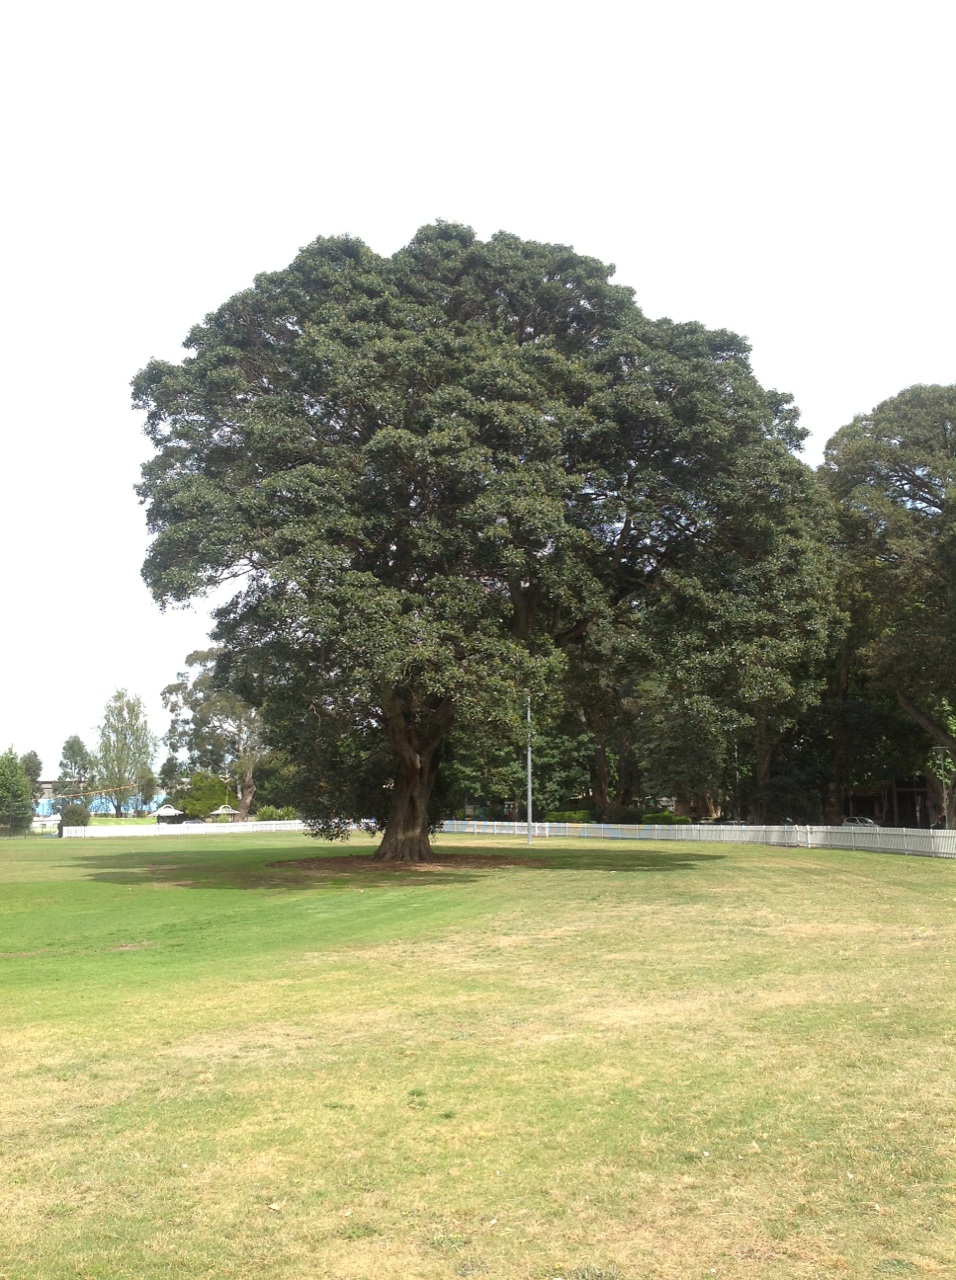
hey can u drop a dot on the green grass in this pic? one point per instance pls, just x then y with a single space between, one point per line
619 1063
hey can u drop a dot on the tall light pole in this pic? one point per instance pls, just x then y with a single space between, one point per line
528 709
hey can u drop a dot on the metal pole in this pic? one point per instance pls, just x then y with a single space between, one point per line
528 706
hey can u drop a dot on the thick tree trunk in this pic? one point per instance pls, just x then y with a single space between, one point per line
406 829
833 803
416 742
628 779
938 732
839 754
245 790
942 738
765 744
600 771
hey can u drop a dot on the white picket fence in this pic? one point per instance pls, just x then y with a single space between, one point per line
181 829
908 840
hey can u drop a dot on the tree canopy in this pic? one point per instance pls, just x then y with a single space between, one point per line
125 751
219 732
16 801
449 476
32 766
892 473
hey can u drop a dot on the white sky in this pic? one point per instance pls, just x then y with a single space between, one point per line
782 170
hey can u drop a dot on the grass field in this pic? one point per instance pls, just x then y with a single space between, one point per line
617 1063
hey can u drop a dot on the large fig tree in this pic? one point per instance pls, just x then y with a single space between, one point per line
431 475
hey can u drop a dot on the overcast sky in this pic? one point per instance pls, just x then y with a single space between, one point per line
782 170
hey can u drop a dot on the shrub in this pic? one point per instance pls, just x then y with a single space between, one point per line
568 815
626 817
73 815
272 813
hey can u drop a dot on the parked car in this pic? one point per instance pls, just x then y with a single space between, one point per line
859 822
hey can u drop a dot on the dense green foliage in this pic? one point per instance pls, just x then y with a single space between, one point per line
77 771
16 799
467 471
892 476
219 732
202 794
273 813
32 766
73 815
125 751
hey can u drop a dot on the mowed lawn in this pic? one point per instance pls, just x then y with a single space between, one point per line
621 1061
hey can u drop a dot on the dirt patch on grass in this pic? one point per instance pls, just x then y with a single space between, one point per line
356 862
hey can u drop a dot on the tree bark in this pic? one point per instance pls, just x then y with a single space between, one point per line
245 791
765 744
938 732
943 738
600 770
406 837
415 737
839 753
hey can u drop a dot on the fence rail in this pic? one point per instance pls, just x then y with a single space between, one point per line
181 829
908 840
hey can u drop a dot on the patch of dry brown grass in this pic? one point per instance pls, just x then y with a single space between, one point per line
555 1073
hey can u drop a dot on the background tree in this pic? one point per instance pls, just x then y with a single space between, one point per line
219 732
147 785
488 772
171 773
16 803
892 474
437 473
203 793
125 750
32 766
76 770
855 743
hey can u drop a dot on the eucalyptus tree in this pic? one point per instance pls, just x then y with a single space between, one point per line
76 767
75 781
433 476
219 732
32 766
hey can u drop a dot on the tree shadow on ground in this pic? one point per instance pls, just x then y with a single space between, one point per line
626 860
197 870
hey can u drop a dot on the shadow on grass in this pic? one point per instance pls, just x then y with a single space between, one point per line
196 870
625 861
202 872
